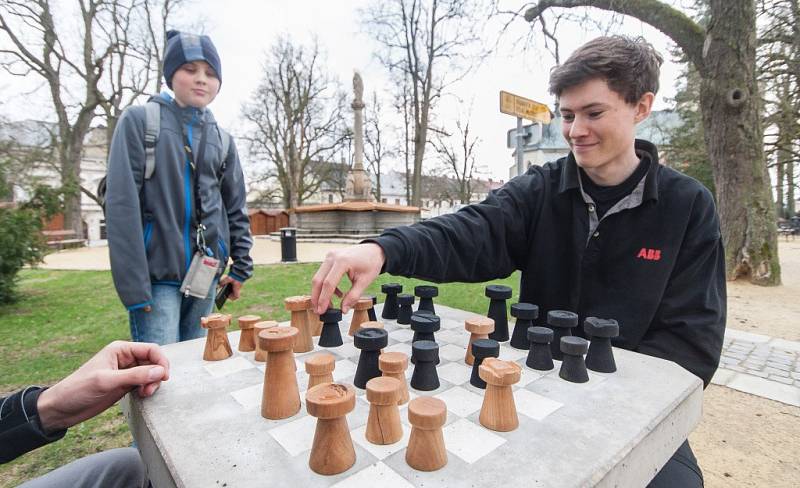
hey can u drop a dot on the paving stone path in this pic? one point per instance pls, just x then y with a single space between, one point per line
760 365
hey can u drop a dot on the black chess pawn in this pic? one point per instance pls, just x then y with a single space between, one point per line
525 313
330 336
498 294
426 293
424 325
539 356
573 367
405 301
390 307
600 357
482 349
371 310
425 356
562 322
370 341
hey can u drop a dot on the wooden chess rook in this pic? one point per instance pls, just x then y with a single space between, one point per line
280 396
360 315
498 411
393 365
261 355
314 321
247 338
332 450
217 345
426 451
383 423
320 369
299 307
478 328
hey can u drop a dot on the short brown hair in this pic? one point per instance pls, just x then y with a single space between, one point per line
629 65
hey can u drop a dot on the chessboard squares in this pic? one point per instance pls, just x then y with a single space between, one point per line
296 436
228 366
344 369
346 350
249 397
451 352
534 405
528 375
380 451
453 336
460 401
455 373
377 474
469 441
451 324
403 347
508 353
402 335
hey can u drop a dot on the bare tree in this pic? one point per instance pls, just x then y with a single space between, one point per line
402 104
297 119
724 55
377 149
432 43
457 156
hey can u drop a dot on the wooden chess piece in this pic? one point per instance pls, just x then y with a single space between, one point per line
393 365
261 355
217 345
373 324
383 424
370 342
498 294
426 451
314 320
573 366
424 325
482 349
331 336
281 397
332 451
600 357
360 315
390 307
540 357
320 369
405 302
299 307
498 411
247 338
425 356
562 322
426 294
525 313
479 328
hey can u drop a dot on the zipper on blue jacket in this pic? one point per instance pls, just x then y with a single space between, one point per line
148 233
187 204
224 251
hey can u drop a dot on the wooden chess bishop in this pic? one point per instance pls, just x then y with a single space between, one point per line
217 345
332 450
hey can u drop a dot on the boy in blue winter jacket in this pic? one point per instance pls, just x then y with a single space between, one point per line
189 206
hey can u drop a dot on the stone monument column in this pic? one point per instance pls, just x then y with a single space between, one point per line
359 186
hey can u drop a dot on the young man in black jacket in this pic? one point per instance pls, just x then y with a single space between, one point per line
606 231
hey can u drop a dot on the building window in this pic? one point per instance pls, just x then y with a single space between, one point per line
103 233
397 201
383 200
330 198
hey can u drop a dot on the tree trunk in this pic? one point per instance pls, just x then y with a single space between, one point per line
779 210
789 173
71 179
729 101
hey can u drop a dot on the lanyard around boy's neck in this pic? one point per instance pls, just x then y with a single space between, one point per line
198 208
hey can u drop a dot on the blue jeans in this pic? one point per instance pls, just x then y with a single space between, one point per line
172 318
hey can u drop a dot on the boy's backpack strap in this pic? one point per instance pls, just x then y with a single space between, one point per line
225 140
152 127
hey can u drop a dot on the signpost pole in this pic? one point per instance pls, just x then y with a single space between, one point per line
520 158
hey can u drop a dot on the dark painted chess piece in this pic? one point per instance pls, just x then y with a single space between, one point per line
370 341
425 356
405 302
573 367
424 324
600 357
539 356
390 307
371 311
482 349
426 293
525 313
498 294
562 322
330 336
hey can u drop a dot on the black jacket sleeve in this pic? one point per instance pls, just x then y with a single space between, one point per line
480 242
20 430
689 325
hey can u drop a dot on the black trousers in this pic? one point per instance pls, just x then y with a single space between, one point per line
681 471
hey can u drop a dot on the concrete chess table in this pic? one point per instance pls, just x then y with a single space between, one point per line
204 428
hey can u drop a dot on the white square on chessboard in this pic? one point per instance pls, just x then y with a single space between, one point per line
263 366
528 376
457 337
460 401
227 366
295 436
402 335
250 396
378 474
595 379
455 373
508 353
533 405
343 368
470 442
346 350
452 353
451 324
379 451
403 347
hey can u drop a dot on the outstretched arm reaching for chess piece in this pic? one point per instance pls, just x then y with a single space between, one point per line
362 264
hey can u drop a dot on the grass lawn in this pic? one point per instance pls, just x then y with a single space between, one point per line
64 317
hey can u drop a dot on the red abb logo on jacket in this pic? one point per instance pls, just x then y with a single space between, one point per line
649 254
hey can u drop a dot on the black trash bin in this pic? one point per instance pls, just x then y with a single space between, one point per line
288 244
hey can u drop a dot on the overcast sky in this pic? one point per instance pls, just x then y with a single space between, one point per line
243 30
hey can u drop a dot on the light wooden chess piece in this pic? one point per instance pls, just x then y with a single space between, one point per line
261 355
360 314
320 369
314 320
299 307
383 424
217 345
393 365
426 451
332 451
479 328
499 411
280 397
247 338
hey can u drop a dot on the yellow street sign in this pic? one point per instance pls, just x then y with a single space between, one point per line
524 108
